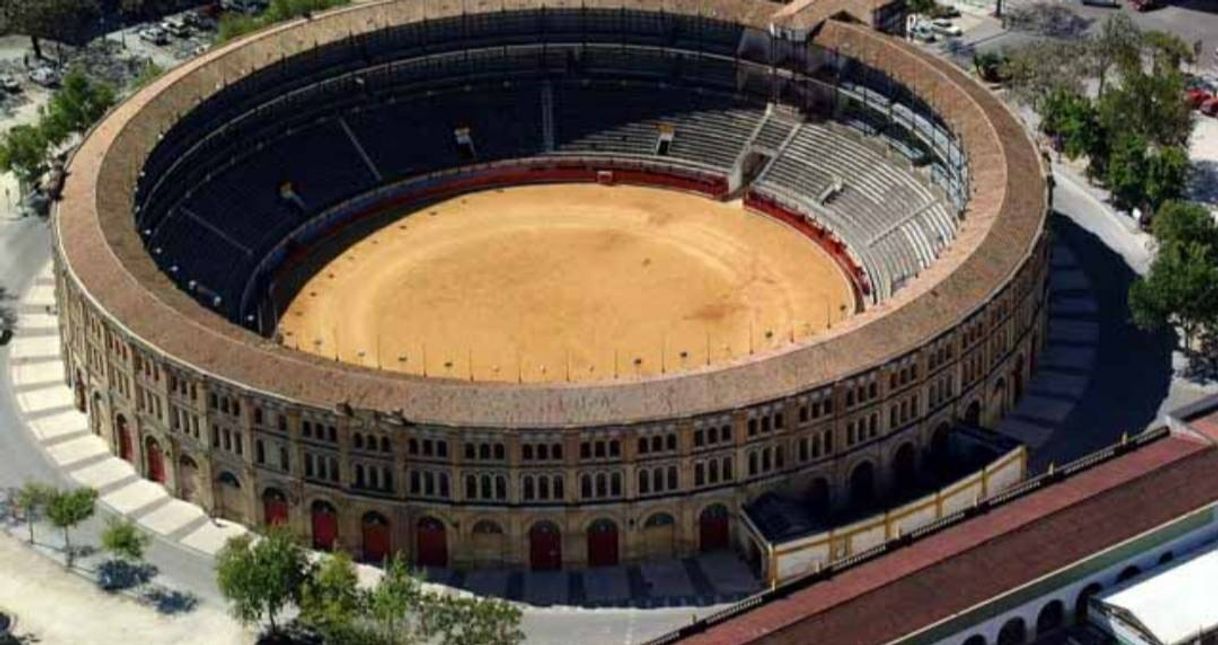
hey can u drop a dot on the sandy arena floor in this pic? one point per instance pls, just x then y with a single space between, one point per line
567 282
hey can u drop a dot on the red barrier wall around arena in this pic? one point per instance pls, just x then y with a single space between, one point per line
825 238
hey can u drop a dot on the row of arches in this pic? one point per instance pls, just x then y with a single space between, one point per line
1052 615
489 540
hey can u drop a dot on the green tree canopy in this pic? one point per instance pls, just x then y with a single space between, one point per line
1117 45
1038 70
54 19
1183 222
76 106
261 578
331 601
33 498
124 539
1181 290
1150 105
23 152
67 509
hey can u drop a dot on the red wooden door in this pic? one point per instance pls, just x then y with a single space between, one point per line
545 547
602 544
124 440
325 529
156 463
376 541
431 545
714 530
276 511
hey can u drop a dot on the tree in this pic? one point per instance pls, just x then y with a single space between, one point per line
924 7
33 498
475 620
392 600
1040 69
1167 51
990 66
76 106
261 578
66 509
1072 118
54 19
1181 290
124 540
1126 171
23 152
1183 222
1149 105
1167 172
331 601
1116 45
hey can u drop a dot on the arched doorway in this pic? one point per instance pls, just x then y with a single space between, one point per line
324 521
188 479
1051 617
96 414
228 499
125 447
818 496
1017 378
602 543
862 486
274 507
1013 632
1082 603
375 528
431 543
713 530
154 460
998 401
659 536
1128 573
972 416
488 543
78 388
975 639
545 546
905 466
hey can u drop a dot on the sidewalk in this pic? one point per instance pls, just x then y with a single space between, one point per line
52 605
63 434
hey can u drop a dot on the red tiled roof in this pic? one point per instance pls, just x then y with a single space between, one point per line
1013 544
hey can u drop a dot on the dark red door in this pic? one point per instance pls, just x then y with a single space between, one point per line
156 463
376 541
325 528
714 529
275 507
602 544
124 440
545 547
431 545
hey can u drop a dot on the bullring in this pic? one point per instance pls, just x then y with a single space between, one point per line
169 302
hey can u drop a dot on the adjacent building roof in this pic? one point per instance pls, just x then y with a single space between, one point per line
981 559
1003 224
1174 603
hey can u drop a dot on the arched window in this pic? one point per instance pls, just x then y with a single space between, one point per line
657 443
1128 573
657 478
585 486
359 475
671 442
713 471
642 445
528 487
1051 617
543 487
471 487
615 484
500 487
644 482
727 469
357 440
602 488
699 474
486 486
672 478
558 487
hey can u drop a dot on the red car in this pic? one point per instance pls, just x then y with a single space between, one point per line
1210 107
1144 5
1196 96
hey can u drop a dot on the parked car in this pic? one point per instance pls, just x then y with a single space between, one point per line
1144 5
923 33
1197 96
945 11
154 35
199 20
1210 107
10 84
175 26
1102 3
946 27
44 76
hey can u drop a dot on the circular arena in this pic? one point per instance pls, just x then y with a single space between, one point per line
549 285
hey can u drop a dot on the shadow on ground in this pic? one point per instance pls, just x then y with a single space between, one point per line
1132 371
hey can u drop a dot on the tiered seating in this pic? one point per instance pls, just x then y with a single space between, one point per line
232 213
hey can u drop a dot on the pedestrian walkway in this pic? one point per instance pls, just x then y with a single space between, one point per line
1063 370
63 433
53 605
